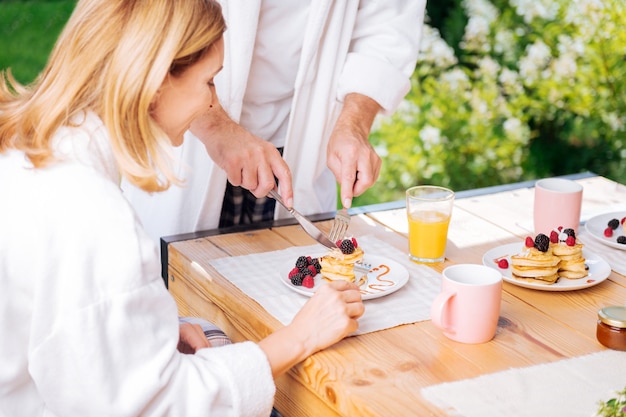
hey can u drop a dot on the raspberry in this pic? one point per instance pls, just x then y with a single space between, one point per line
503 263
608 232
569 232
338 243
313 270
542 242
554 237
613 224
560 228
347 247
529 242
571 241
308 282
302 263
622 240
297 279
293 272
623 220
356 245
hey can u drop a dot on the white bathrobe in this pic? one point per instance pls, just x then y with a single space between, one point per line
368 47
87 327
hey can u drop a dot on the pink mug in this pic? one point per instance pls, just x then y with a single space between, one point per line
557 203
468 307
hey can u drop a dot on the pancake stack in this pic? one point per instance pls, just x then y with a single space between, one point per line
570 252
338 264
536 262
546 259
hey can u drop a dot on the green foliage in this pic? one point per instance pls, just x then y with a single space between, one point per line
534 88
28 30
614 407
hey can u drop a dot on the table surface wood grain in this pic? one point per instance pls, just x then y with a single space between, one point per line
381 373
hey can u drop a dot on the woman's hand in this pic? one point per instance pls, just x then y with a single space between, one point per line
327 317
191 338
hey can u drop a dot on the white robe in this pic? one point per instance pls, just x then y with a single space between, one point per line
368 47
87 327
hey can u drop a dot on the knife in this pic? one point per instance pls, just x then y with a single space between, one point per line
306 224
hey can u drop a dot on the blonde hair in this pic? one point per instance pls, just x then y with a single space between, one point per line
111 58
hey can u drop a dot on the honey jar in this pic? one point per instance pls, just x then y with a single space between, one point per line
611 329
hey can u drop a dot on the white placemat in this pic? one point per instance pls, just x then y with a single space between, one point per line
567 388
258 276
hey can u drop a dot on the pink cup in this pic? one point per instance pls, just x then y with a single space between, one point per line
557 203
468 307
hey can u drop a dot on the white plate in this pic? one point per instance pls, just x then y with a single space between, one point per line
596 225
599 270
385 277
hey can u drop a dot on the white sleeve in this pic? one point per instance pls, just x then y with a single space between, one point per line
105 329
383 51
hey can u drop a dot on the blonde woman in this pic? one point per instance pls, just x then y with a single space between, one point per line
87 326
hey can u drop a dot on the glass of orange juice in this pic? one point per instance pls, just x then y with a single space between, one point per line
428 209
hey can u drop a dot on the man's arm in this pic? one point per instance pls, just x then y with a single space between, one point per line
249 161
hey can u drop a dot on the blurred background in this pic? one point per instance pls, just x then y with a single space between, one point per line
504 91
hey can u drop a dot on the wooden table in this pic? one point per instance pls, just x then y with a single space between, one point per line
381 373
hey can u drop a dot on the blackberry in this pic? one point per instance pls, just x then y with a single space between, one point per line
317 265
613 224
622 240
347 247
297 279
569 232
542 242
306 271
302 263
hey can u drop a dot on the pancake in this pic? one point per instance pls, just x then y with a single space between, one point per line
339 266
562 250
533 265
572 263
548 280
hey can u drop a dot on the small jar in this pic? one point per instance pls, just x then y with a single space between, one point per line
611 329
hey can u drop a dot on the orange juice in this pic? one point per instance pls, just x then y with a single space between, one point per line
428 231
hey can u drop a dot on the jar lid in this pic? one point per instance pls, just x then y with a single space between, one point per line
613 316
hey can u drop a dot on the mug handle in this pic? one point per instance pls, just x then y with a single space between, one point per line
437 310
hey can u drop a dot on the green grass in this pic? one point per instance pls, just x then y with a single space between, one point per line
28 30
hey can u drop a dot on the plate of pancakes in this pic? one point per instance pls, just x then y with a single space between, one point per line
596 268
385 276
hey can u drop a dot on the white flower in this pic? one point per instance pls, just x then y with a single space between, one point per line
571 46
456 79
476 32
482 8
488 67
531 9
434 50
504 43
430 136
534 61
564 66
510 82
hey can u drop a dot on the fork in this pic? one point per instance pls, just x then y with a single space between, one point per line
340 225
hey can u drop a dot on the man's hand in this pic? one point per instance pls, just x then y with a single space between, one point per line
351 157
249 161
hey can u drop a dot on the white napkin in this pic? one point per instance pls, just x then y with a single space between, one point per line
568 388
259 276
